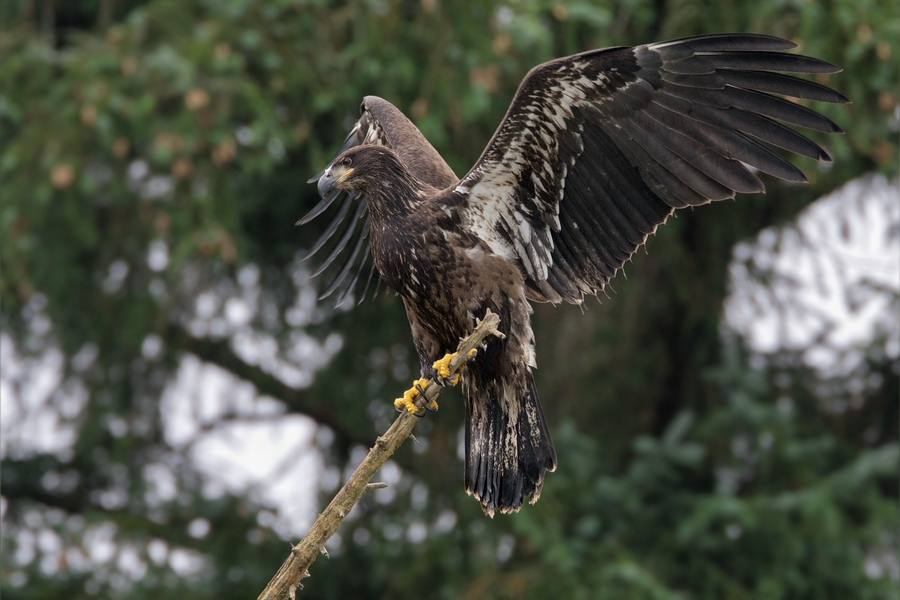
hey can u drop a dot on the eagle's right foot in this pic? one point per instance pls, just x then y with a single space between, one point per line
442 369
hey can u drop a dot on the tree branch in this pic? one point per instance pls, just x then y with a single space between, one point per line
284 583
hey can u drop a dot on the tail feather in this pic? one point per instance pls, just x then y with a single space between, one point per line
508 447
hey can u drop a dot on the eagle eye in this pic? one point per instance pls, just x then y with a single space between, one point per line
346 161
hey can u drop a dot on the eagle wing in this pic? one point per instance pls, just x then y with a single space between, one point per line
381 124
597 150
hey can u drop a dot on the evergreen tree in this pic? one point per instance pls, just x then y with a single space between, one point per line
153 159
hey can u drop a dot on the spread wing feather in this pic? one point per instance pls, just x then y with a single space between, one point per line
382 124
345 238
599 148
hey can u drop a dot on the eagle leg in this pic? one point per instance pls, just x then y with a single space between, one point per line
442 369
408 401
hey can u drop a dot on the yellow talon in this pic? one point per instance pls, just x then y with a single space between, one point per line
408 401
442 373
442 366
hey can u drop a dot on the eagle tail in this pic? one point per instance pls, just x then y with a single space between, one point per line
508 447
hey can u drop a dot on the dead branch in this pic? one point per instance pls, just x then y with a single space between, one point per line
284 583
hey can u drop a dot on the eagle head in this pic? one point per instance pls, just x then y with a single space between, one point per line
353 167
370 171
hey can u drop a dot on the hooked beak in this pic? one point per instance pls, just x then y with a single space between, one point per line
329 189
329 180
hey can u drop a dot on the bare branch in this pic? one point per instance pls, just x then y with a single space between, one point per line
284 583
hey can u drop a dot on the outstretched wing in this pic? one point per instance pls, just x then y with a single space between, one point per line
599 148
382 124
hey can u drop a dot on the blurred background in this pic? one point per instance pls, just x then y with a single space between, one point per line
177 405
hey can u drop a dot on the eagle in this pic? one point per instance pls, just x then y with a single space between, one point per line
594 153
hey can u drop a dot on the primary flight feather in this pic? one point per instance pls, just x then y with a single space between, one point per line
595 151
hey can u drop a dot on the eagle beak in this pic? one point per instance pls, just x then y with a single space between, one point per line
328 191
325 184
328 182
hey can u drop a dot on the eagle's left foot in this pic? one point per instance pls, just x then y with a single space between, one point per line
442 369
408 401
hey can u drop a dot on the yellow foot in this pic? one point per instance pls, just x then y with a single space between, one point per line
442 368
408 401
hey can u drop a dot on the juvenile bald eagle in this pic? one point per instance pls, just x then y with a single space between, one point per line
595 151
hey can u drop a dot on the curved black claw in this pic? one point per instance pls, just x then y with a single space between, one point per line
420 413
429 406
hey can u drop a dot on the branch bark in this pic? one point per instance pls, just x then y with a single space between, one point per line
284 583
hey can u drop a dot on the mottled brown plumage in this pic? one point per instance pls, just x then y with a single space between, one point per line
447 278
594 153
